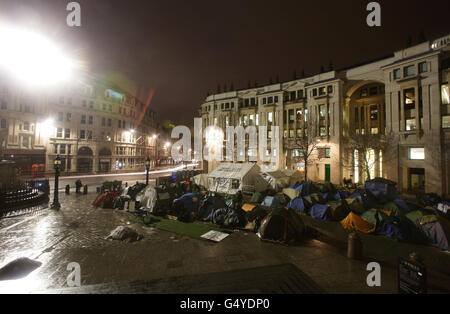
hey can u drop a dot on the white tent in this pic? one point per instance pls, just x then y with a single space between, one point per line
281 179
229 178
201 179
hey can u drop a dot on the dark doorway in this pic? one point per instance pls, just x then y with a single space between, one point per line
416 179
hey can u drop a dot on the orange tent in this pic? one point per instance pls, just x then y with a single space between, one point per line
355 223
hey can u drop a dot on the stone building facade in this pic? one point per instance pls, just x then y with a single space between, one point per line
403 98
95 128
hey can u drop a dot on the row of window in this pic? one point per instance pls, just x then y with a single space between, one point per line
322 91
410 70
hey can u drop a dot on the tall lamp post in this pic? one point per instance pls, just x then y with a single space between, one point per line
147 168
57 164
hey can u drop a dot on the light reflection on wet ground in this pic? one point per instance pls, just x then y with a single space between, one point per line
77 233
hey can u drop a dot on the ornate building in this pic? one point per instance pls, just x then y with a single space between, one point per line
402 98
93 126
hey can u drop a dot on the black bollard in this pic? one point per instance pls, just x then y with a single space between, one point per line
85 190
67 189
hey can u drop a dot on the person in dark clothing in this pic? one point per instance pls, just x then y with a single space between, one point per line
78 186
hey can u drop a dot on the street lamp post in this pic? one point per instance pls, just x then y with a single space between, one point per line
147 168
57 164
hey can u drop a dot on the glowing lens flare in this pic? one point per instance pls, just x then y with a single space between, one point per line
32 58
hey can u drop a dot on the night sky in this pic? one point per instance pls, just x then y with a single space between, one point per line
183 49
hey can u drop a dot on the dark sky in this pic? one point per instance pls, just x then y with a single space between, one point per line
183 49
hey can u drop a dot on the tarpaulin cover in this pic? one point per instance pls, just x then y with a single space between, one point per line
297 204
321 212
271 201
355 223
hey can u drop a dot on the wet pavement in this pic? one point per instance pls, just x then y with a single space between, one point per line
77 233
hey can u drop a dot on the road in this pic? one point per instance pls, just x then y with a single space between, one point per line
95 180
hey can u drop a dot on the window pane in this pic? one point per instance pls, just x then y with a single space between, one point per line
444 94
417 153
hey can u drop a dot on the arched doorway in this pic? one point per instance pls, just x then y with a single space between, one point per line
85 160
104 163
366 130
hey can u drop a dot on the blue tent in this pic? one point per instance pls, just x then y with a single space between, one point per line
188 201
297 204
383 190
403 229
271 201
321 212
402 204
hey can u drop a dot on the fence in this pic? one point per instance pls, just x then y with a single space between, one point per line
30 197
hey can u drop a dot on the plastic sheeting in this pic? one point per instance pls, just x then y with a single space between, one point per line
147 198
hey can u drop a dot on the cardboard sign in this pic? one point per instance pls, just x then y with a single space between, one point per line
412 277
215 236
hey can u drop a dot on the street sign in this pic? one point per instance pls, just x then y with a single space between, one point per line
412 277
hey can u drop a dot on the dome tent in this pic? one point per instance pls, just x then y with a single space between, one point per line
281 225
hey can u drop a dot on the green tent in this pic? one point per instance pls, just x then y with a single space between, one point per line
291 193
374 216
281 225
415 215
355 205
394 209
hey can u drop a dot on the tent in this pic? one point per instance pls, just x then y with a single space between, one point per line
147 198
437 230
201 180
356 205
355 223
403 229
229 178
281 179
375 216
340 209
394 209
190 201
271 201
209 205
382 189
297 204
291 193
281 225
305 188
321 212
105 200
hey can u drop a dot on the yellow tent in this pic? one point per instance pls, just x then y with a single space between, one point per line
355 223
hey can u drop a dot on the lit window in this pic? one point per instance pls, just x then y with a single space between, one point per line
374 131
416 153
411 124
446 122
444 94
323 131
291 133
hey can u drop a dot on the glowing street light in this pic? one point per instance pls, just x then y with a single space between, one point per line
32 58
